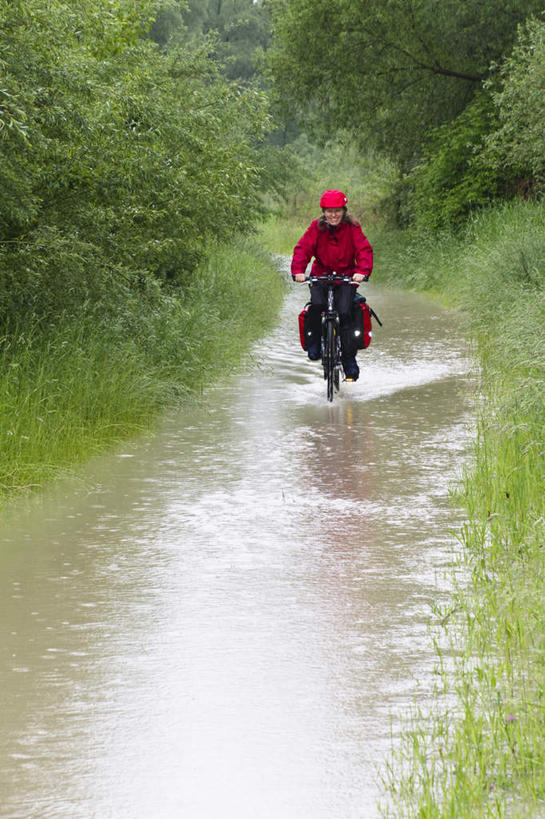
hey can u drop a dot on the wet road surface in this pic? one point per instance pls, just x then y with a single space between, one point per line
224 620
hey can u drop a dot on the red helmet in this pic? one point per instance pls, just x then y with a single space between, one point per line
333 199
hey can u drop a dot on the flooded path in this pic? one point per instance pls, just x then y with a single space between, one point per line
222 625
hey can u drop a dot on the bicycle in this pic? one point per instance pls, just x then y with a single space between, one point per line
330 338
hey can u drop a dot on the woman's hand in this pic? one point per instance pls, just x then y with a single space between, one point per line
358 277
300 277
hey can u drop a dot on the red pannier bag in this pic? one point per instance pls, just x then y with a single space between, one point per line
362 327
305 333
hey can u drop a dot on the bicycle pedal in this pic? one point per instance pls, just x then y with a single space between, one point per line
349 380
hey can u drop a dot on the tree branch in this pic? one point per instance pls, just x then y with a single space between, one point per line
435 68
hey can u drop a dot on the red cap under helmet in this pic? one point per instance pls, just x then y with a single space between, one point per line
333 199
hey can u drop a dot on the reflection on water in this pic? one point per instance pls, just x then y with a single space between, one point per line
223 626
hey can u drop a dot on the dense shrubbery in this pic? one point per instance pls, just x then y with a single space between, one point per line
117 162
454 178
519 143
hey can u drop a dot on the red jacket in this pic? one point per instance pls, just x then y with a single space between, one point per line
345 251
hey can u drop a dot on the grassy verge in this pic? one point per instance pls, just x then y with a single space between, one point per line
281 235
70 390
482 753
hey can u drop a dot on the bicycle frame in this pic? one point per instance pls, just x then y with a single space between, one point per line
330 340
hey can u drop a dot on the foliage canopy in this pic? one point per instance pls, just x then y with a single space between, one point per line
388 69
238 29
117 161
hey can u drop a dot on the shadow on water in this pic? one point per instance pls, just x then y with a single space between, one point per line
224 624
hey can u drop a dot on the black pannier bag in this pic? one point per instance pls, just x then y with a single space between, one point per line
362 329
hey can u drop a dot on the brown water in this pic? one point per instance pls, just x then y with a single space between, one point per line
223 623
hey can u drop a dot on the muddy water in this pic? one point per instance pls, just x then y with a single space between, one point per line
223 621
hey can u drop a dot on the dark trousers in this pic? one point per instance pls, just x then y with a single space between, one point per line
342 298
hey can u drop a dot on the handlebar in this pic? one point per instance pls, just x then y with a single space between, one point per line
331 279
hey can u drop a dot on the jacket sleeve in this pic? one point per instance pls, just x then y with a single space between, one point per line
304 250
363 252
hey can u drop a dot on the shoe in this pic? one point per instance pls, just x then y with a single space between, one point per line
314 351
351 370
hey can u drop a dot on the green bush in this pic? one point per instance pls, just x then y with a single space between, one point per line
518 144
454 178
118 162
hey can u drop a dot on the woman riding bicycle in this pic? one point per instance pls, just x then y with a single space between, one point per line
337 243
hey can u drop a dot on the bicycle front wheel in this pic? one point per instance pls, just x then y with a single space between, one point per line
336 377
331 338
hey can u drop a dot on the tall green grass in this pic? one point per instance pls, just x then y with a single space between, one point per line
279 236
70 390
482 751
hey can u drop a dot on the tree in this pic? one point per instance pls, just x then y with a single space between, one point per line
118 162
388 69
518 145
454 177
239 29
